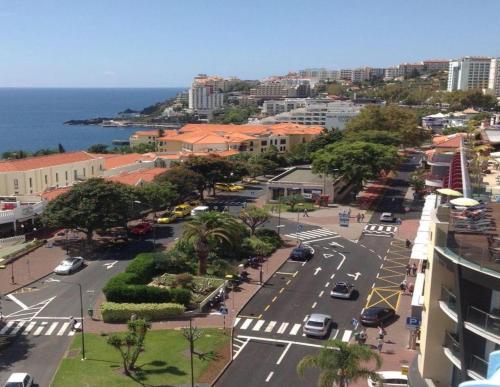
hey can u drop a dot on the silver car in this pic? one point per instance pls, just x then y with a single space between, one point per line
317 325
69 265
342 290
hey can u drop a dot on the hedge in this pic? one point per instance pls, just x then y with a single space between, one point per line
114 313
144 267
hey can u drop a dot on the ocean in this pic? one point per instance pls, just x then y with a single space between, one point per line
31 119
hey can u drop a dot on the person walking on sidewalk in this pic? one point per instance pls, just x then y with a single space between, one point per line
408 244
381 332
402 286
408 269
358 217
380 344
306 213
362 216
414 269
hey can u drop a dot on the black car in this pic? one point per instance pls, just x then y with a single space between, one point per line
376 315
301 253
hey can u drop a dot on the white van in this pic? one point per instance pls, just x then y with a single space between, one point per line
197 210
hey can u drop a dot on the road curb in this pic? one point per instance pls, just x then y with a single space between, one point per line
27 284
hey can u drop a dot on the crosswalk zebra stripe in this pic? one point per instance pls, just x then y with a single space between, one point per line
28 329
51 328
380 228
236 321
62 329
312 234
247 323
39 330
258 325
295 329
270 326
71 333
6 327
17 328
347 335
282 328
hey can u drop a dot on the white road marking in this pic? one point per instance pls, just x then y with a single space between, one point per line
71 333
314 305
18 302
333 275
51 328
282 328
294 329
327 284
241 348
40 329
322 239
247 323
110 265
373 251
317 270
321 293
29 328
236 321
283 353
269 376
305 318
282 341
334 334
6 327
258 325
327 255
270 326
341 262
63 328
335 244
17 328
347 335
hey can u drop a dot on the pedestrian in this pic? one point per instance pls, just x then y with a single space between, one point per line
72 323
414 269
380 344
306 213
411 287
408 269
362 216
408 244
358 217
361 337
349 212
381 332
402 286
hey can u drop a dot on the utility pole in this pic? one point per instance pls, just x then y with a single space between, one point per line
191 334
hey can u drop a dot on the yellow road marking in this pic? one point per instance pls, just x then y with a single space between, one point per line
384 298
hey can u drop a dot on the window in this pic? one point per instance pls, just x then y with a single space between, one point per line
92 170
57 177
263 143
46 179
66 175
16 184
283 141
75 174
31 182
84 172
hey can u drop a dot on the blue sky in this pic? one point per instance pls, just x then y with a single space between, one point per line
157 43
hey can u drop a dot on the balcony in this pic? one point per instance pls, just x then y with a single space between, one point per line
448 303
484 324
451 348
477 367
434 181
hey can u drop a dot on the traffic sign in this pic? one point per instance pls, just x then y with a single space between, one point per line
223 310
300 228
412 322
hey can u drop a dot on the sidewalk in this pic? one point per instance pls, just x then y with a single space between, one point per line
235 301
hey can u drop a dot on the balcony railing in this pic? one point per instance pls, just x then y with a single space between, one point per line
451 342
486 321
449 298
478 366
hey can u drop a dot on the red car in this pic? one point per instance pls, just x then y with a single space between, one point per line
141 228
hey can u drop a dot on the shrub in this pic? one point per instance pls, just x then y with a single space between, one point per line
144 267
136 293
269 236
114 312
184 280
258 246
174 262
180 296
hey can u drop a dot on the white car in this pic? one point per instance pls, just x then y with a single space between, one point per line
342 290
19 379
317 325
69 265
198 210
387 217
389 379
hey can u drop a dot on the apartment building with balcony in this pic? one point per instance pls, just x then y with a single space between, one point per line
469 73
494 77
461 294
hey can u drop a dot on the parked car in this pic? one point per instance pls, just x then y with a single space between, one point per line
167 217
342 290
236 187
198 210
301 253
317 325
19 379
249 180
69 265
376 315
141 228
182 210
222 187
389 379
387 217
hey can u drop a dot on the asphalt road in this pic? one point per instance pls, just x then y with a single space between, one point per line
268 340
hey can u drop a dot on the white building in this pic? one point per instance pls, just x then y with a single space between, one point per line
272 107
329 115
360 74
494 77
205 99
469 73
392 73
435 65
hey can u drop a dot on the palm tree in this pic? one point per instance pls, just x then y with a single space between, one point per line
208 227
340 362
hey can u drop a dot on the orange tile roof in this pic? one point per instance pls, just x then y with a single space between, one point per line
38 162
286 128
451 143
52 194
226 153
154 132
133 178
439 139
119 160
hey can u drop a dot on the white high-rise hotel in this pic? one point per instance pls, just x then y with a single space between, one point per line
469 73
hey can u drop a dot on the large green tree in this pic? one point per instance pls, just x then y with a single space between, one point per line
394 119
184 180
205 231
376 136
356 161
340 363
325 138
157 196
91 205
253 217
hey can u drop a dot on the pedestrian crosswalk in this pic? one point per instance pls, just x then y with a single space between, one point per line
380 229
250 325
318 233
36 328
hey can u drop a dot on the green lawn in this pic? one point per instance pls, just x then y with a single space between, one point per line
164 362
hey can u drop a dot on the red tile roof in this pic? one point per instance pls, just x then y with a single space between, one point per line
38 162
119 160
133 178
